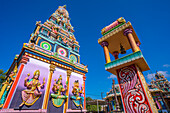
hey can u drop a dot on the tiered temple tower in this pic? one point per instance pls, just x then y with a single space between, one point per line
117 38
160 90
47 75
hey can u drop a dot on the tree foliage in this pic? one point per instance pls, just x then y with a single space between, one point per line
2 76
92 107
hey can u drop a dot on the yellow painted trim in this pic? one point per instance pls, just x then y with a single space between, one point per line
67 94
38 40
47 91
3 89
1 105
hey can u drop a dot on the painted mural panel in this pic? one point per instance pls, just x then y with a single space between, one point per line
76 91
31 87
58 89
134 97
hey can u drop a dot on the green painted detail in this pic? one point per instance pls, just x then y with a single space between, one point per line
46 45
58 96
58 100
127 58
113 29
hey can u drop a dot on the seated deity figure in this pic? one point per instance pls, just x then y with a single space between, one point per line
32 93
76 90
77 98
58 86
58 96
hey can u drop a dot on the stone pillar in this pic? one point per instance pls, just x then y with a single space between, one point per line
84 79
67 92
23 61
115 54
135 94
128 33
106 51
46 97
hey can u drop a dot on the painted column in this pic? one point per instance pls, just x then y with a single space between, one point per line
84 79
128 33
134 91
24 60
106 51
46 98
67 92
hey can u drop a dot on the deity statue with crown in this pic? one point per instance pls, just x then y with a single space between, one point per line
32 93
76 91
58 96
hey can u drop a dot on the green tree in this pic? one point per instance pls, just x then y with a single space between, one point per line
2 76
91 107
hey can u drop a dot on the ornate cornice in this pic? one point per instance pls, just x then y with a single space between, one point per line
126 25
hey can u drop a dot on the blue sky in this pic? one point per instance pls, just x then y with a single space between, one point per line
150 19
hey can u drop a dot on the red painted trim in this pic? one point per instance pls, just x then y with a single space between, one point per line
8 99
121 90
84 95
143 88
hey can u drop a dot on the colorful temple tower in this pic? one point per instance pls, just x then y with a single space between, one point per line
47 75
117 38
160 90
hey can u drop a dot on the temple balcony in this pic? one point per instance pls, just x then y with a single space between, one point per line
133 58
118 38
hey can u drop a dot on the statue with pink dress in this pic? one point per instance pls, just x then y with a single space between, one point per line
33 89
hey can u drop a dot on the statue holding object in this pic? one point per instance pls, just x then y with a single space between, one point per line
77 98
58 96
32 93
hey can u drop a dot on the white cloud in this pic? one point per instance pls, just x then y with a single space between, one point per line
150 76
165 73
112 76
166 65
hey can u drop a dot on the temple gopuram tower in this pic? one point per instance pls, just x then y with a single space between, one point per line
47 75
117 38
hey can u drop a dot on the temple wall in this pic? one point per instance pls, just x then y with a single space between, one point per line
52 107
31 66
74 77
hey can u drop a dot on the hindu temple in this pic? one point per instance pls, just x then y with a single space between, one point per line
47 76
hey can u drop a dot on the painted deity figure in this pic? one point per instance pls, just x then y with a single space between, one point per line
58 86
76 90
58 96
32 93
77 98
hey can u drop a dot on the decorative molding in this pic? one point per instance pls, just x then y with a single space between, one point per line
126 25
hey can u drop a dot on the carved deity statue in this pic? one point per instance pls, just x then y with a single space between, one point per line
77 98
32 93
76 90
58 96
58 86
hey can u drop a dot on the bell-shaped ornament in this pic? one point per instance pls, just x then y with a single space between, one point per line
122 49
